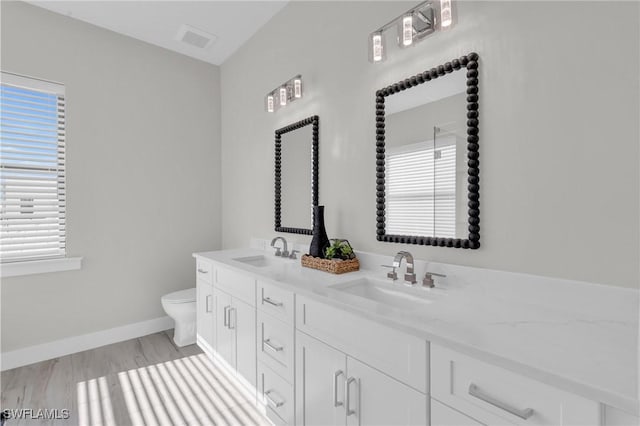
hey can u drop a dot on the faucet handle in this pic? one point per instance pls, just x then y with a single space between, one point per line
292 255
391 275
427 281
278 251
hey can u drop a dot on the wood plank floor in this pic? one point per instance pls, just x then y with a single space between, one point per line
144 381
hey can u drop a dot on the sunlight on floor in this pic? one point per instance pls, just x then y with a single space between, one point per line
189 390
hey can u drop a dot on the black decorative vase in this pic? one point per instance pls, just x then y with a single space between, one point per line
320 241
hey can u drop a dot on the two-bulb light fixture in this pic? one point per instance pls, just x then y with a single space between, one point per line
284 94
412 26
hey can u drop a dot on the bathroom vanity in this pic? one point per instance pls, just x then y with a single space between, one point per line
482 347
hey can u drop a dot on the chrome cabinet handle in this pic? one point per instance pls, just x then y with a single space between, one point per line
477 393
337 374
268 344
271 401
207 304
203 271
226 318
271 301
348 397
232 326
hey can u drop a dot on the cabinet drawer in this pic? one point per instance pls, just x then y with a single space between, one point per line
204 270
275 345
236 284
496 396
276 301
400 355
276 394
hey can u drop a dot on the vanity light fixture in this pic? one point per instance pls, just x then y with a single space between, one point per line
284 94
412 26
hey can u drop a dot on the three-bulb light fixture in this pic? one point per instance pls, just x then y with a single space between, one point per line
288 92
412 26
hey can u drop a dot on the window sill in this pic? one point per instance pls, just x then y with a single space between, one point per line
40 266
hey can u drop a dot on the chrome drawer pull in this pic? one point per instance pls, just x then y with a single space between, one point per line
477 393
337 374
271 301
348 397
271 401
226 316
268 344
203 271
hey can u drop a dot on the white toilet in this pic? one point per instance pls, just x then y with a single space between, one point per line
181 307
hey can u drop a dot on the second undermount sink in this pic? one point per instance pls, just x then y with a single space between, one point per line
386 293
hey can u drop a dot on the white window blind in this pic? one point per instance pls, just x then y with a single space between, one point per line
32 169
421 189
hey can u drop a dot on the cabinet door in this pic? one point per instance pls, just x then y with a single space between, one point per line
243 323
441 415
204 313
225 336
373 398
320 378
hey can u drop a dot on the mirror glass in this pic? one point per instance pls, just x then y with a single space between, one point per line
296 178
296 160
425 159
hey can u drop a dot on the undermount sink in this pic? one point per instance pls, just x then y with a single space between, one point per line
259 261
387 293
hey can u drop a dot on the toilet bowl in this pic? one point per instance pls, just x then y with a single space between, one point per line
181 307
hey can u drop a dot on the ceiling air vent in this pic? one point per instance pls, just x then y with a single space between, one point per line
195 37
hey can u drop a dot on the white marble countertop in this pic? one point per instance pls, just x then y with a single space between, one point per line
579 337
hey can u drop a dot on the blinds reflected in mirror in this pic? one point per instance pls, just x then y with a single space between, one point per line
421 188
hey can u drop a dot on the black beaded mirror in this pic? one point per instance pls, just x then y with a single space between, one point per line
296 176
427 167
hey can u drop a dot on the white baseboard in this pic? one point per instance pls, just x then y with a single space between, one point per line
70 345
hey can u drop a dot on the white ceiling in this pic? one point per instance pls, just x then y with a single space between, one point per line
158 22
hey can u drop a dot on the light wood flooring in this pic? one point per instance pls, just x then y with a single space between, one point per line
144 381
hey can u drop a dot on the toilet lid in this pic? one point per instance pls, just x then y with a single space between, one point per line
181 296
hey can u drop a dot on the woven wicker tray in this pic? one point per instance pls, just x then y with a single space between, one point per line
333 266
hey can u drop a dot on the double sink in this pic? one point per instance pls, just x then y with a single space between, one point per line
367 292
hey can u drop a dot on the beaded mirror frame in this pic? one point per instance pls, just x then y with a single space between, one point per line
470 62
313 120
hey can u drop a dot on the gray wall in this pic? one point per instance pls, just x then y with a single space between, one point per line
143 158
559 131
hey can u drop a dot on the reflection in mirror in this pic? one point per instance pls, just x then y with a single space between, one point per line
296 165
427 181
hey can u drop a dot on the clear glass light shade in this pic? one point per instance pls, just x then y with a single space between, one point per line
270 103
377 49
297 88
445 13
283 96
406 31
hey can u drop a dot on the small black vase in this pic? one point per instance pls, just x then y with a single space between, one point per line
320 241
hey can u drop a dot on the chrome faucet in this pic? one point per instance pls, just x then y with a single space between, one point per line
409 276
284 252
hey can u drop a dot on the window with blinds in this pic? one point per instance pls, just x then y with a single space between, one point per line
421 189
32 169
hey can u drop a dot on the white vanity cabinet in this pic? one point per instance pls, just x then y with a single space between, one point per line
235 322
333 388
356 371
495 396
205 327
